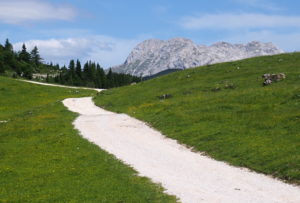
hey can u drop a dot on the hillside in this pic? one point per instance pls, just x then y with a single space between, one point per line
30 65
153 56
43 159
224 111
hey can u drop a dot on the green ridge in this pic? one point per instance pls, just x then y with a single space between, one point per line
224 111
43 159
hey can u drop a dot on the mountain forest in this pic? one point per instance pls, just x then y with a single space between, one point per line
30 65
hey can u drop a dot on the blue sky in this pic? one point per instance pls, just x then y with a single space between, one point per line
106 30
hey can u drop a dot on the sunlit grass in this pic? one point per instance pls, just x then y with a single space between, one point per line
247 125
43 159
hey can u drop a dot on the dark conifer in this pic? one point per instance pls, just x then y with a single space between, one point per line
78 69
8 46
35 56
24 55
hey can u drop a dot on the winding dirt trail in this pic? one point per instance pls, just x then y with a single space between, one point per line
190 176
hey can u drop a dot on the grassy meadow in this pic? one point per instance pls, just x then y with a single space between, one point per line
224 111
43 159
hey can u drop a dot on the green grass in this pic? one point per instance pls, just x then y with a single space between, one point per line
248 125
43 159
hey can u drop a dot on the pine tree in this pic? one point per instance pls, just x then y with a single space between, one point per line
71 73
92 73
27 71
8 46
110 79
78 69
35 56
8 56
24 55
101 75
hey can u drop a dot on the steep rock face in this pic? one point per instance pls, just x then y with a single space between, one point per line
153 56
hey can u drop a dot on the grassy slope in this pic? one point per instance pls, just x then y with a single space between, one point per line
42 159
252 126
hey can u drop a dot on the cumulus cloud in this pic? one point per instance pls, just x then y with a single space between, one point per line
19 11
242 20
107 51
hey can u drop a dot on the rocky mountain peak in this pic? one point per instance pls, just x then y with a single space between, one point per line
153 56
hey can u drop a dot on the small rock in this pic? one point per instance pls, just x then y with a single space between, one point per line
269 78
266 76
267 82
165 96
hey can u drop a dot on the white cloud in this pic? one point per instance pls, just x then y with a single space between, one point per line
287 41
20 11
243 20
107 51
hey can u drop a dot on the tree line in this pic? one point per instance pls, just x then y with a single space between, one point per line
90 75
30 64
22 63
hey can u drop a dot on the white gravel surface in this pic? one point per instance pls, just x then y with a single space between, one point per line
56 85
192 177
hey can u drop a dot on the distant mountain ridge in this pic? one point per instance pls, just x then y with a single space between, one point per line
153 56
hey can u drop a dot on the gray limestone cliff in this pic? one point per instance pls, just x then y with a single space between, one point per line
153 56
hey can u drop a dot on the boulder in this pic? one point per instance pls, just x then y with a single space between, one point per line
269 78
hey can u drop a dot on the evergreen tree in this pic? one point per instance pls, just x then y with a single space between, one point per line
8 56
72 66
101 75
27 71
89 74
57 67
92 73
78 69
24 55
8 46
63 75
110 79
35 56
25 64
71 73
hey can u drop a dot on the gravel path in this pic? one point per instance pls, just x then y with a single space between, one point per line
192 177
56 85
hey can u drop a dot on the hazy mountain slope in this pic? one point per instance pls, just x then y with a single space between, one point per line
153 56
